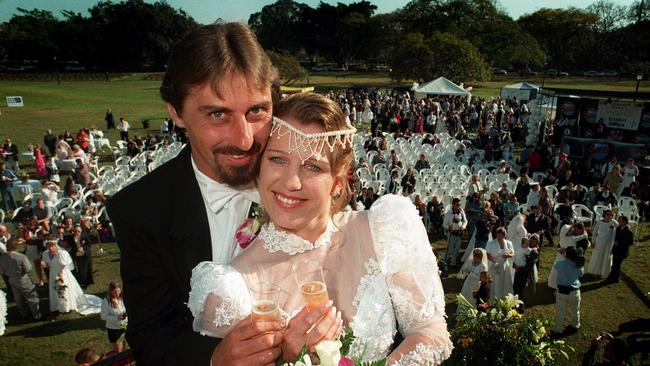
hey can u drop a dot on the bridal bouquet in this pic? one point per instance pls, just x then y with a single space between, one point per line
333 353
61 288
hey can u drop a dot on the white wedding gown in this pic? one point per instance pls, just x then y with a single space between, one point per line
500 269
72 298
380 273
600 262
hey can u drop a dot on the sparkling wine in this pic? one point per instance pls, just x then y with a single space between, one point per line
265 310
314 293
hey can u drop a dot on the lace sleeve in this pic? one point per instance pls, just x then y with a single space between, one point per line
219 298
411 273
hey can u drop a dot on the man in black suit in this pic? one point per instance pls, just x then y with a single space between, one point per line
623 240
540 224
11 155
50 140
218 87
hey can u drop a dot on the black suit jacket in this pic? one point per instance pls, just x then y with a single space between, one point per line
163 233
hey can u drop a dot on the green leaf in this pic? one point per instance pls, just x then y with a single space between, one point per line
381 362
347 338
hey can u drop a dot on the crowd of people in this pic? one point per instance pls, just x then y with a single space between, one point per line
495 223
506 225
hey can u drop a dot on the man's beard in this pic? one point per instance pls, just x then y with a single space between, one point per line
237 176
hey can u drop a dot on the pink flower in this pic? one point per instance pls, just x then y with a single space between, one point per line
345 362
246 232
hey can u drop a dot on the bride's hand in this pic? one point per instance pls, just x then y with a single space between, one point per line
310 327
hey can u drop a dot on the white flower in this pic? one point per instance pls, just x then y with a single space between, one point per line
510 301
329 353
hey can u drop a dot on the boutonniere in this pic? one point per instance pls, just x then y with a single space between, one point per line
248 229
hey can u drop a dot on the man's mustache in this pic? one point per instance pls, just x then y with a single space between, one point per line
233 150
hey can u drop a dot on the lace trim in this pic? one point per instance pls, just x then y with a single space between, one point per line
424 355
281 241
374 322
227 312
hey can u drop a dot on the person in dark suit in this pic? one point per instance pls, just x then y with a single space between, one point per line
50 140
540 224
11 155
218 87
81 253
623 240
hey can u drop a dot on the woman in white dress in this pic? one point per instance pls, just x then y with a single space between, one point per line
630 172
378 266
472 269
600 262
516 229
64 291
500 252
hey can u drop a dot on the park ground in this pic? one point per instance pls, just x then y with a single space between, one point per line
622 308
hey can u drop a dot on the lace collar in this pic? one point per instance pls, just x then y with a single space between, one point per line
281 241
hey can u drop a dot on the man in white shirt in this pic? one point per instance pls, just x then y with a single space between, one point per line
123 126
218 87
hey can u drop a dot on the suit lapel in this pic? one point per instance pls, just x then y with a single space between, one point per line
190 231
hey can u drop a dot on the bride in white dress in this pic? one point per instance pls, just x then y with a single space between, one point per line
378 266
64 290
600 263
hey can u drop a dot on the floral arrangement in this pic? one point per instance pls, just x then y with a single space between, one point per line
502 336
247 231
61 288
333 353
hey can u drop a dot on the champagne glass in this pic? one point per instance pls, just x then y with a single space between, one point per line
309 277
265 301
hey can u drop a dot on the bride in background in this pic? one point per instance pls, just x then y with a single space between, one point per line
377 265
64 290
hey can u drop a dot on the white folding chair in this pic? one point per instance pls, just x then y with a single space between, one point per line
583 213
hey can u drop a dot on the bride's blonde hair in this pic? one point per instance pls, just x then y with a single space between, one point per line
312 108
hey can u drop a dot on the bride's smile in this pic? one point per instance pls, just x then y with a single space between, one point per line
296 194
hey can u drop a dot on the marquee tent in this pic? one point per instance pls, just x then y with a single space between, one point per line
522 91
440 86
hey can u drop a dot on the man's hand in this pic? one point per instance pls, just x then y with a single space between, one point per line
250 343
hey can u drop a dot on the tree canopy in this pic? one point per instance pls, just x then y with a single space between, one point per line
134 35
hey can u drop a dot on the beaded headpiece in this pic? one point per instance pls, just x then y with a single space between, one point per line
308 145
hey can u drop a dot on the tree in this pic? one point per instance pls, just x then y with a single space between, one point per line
288 67
278 26
609 18
442 54
561 33
494 33
125 42
27 36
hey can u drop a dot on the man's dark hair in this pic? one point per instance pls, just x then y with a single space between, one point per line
12 245
571 254
209 54
624 219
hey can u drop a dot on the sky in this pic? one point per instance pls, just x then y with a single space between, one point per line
207 11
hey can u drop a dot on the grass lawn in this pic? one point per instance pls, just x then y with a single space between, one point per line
622 307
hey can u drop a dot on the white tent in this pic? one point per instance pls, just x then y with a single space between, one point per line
440 86
522 91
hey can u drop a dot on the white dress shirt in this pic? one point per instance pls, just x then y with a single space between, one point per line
224 224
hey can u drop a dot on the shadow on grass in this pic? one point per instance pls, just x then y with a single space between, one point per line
59 326
635 289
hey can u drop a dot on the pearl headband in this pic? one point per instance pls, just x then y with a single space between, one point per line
310 145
